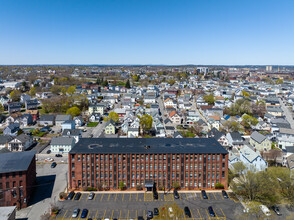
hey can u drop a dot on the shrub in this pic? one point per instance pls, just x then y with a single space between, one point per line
160 188
54 209
62 195
139 187
219 186
176 186
91 189
122 185
99 187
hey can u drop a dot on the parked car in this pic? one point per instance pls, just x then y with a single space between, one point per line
265 210
70 195
58 155
48 152
204 195
149 214
75 213
170 212
84 213
49 159
176 194
45 129
155 195
211 211
187 212
225 194
156 211
276 210
140 218
91 196
53 165
78 195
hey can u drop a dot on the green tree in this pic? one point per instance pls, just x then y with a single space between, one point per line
32 91
15 95
209 99
63 90
249 121
122 185
171 81
239 168
136 78
105 83
279 81
128 85
71 90
1 108
73 111
145 122
245 94
55 89
112 115
232 126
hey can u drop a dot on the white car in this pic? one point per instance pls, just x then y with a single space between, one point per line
170 212
75 213
49 159
265 210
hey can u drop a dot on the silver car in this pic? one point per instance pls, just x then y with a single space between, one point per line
91 196
75 213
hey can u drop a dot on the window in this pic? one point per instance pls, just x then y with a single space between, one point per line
73 174
223 165
79 158
20 174
73 166
223 174
7 185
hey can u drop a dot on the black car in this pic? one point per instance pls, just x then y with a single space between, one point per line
140 218
48 151
276 210
211 212
84 213
58 155
70 195
78 195
149 214
156 211
225 195
176 194
204 195
155 195
187 212
53 165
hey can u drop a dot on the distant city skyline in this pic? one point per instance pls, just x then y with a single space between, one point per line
153 32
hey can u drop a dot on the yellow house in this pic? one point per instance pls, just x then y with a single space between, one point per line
110 127
260 142
98 108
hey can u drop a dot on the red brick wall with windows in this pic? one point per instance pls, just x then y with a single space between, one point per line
191 171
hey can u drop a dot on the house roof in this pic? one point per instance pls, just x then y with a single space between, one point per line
172 113
236 136
32 112
62 141
47 118
256 136
110 122
62 117
23 138
286 131
148 145
16 161
5 139
216 134
215 117
249 154
71 132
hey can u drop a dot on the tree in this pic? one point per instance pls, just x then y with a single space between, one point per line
165 214
122 185
71 90
145 122
32 91
1 108
128 85
136 78
55 89
171 81
245 94
249 121
73 111
15 95
209 99
105 83
239 168
232 126
112 115
279 81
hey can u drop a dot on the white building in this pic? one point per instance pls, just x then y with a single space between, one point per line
252 160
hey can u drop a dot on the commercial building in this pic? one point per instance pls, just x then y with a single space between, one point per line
193 163
17 178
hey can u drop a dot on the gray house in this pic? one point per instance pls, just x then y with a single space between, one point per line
14 107
60 119
47 120
12 129
75 133
31 104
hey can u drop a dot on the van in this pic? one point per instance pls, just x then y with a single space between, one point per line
265 210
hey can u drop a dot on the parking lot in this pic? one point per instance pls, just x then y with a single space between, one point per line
125 206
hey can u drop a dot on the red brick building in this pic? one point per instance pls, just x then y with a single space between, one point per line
193 163
17 178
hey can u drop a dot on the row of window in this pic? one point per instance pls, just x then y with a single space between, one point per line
13 174
9 185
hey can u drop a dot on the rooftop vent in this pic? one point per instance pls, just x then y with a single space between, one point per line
93 146
147 147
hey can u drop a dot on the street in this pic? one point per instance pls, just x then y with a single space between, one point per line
287 113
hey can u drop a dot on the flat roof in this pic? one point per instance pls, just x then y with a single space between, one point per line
148 145
15 161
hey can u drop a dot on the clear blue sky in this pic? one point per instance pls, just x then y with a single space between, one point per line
147 32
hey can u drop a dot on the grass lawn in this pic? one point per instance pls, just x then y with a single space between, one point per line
92 124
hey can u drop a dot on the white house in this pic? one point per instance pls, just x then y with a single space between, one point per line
20 143
62 144
252 160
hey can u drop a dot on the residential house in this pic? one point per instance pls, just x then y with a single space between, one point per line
149 98
47 120
219 136
4 100
78 121
233 158
259 141
235 139
14 107
285 137
169 131
95 117
34 114
276 111
69 124
110 127
175 118
177 134
31 104
60 119
20 143
4 139
74 133
11 129
62 144
25 120
133 132
170 103
24 97
121 112
252 160
97 108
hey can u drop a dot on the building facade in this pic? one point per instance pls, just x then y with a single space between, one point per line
17 178
193 163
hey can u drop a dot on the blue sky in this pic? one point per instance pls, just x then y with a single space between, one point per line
208 32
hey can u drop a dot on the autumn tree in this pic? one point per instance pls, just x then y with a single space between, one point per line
73 111
71 90
32 91
15 95
232 126
112 115
209 99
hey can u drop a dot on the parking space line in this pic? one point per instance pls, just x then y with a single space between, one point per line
88 214
192 215
112 214
95 196
223 213
108 197
199 213
195 196
81 197
143 213
130 196
136 213
104 214
216 215
101 197
115 197
64 214
214 196
96 214
137 196
207 195
128 214
123 197
119 214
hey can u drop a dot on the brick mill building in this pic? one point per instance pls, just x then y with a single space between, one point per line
193 163
17 178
